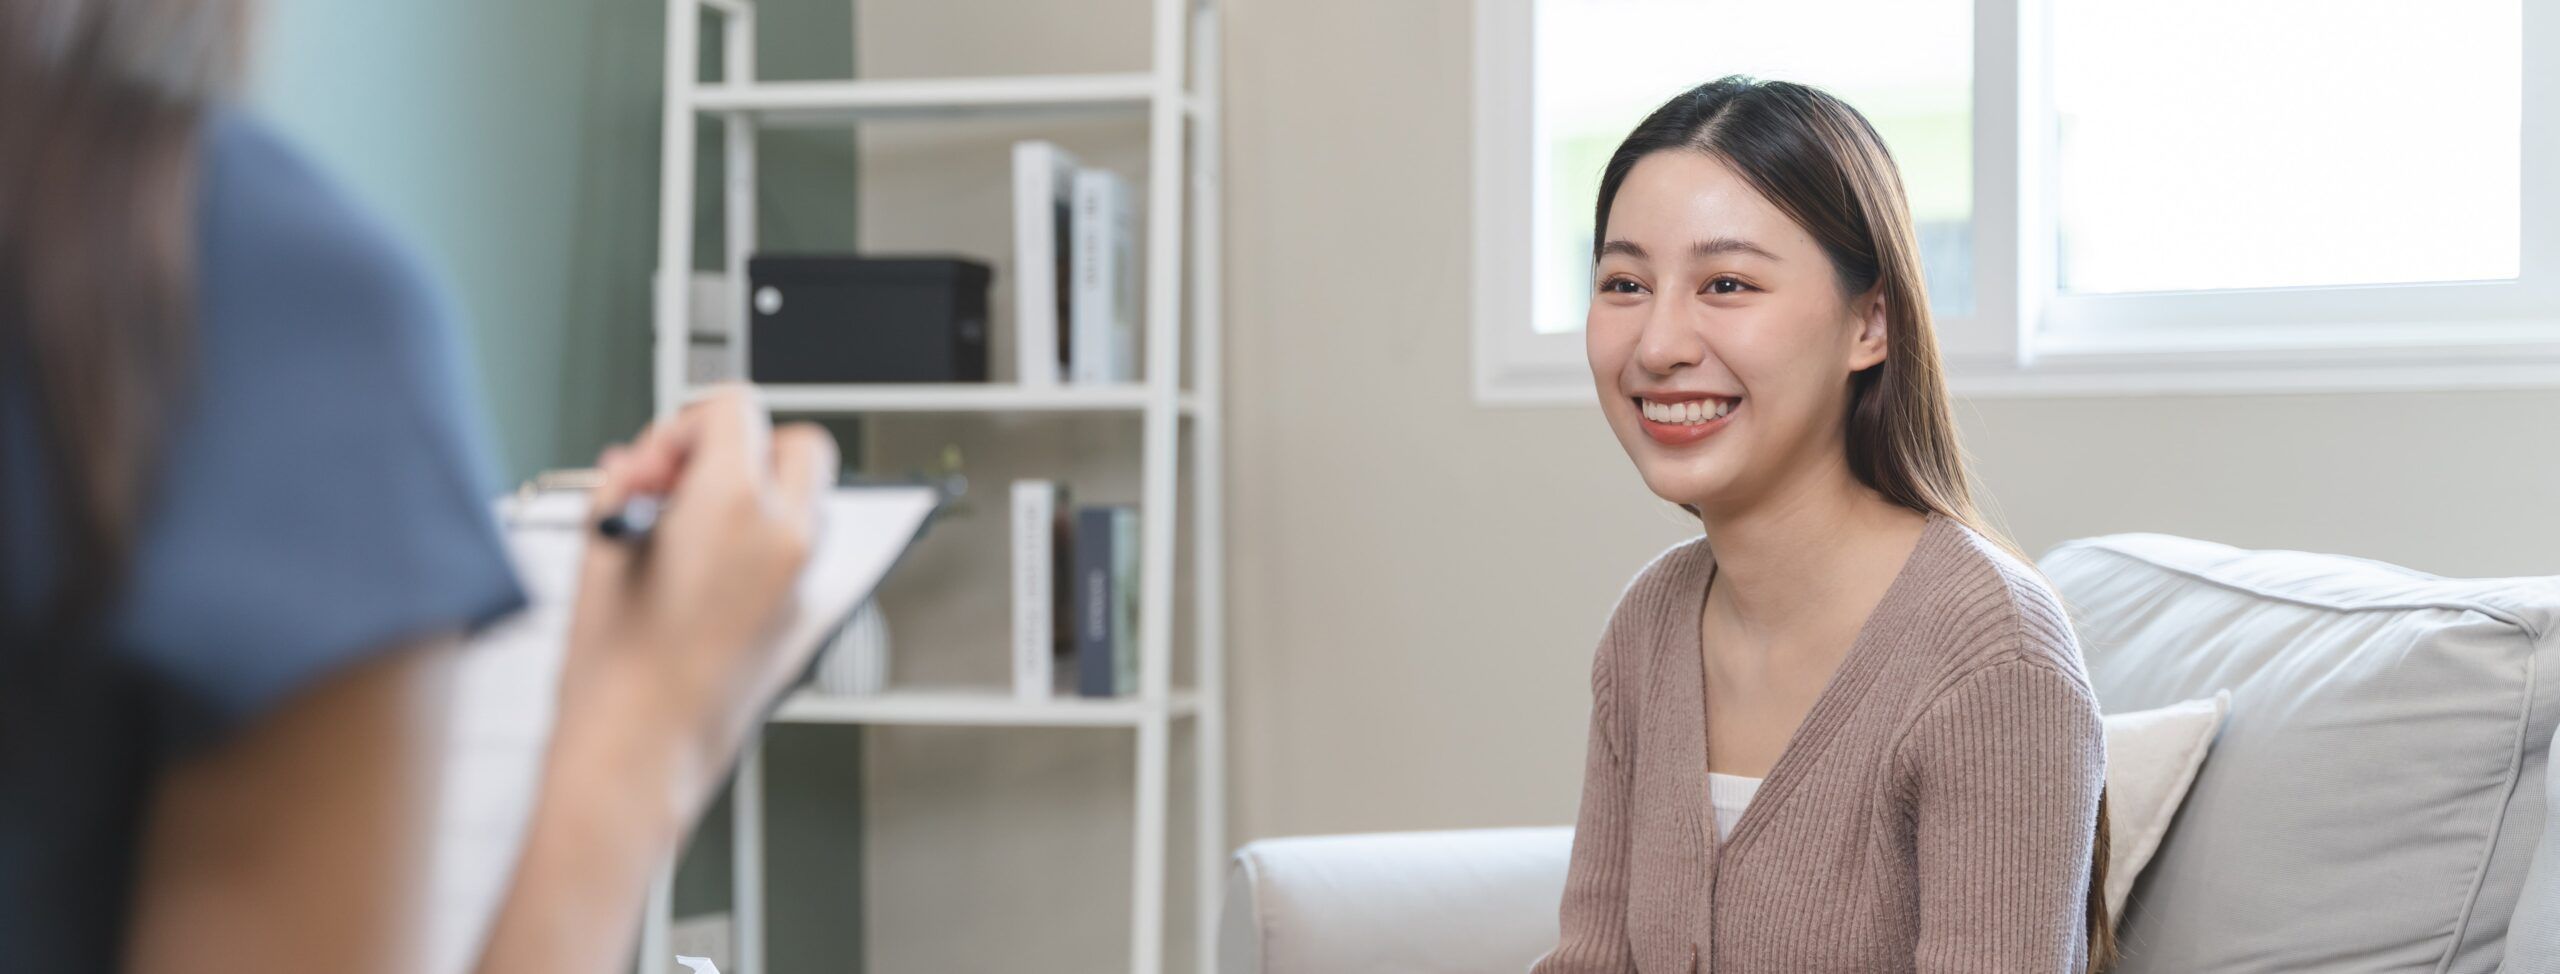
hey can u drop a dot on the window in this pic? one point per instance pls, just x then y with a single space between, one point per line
2374 143
2173 195
1909 68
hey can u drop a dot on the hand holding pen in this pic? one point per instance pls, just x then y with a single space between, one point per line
668 663
673 628
652 465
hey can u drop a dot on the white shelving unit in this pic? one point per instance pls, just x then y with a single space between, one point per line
1180 98
977 708
960 398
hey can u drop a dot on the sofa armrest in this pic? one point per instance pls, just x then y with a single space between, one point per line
1460 902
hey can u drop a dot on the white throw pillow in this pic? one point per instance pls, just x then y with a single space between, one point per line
2152 756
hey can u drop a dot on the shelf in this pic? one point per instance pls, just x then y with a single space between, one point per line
1173 98
956 397
837 102
976 708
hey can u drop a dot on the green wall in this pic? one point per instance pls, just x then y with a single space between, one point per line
515 143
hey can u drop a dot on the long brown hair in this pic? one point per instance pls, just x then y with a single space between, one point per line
1820 162
101 102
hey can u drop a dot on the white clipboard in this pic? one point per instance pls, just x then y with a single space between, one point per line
508 684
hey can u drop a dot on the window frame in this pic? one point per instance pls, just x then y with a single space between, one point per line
2023 337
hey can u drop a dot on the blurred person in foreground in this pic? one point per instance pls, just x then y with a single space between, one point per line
245 528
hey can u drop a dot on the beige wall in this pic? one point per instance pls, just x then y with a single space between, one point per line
989 849
1416 581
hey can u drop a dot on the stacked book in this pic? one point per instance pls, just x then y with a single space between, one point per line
1075 270
1075 595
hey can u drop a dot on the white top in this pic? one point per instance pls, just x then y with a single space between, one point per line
1729 793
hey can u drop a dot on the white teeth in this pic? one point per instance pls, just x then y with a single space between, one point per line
1685 413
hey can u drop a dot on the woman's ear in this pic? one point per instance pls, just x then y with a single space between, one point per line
1868 348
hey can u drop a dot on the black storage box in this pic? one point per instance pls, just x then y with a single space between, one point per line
828 318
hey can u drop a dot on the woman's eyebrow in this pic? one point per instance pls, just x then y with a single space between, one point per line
1704 248
1627 247
1730 245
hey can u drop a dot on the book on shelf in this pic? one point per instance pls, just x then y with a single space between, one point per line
1124 598
1103 304
1041 588
1106 598
1044 179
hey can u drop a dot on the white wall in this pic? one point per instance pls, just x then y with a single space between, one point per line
1416 582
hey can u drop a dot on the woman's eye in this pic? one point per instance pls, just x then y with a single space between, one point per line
1726 285
1620 285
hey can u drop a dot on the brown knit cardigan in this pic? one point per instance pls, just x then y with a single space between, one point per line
1933 812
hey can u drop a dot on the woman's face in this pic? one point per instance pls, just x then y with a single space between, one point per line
1718 337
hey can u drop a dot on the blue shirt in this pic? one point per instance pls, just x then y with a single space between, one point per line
321 494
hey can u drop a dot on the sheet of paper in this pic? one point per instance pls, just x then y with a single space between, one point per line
509 681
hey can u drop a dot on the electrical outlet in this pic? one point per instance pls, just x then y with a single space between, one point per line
708 935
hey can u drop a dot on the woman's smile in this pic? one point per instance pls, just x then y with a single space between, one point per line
1683 418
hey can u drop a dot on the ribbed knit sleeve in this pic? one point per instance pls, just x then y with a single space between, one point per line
1593 917
2004 769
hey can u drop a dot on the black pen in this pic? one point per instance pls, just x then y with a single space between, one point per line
634 520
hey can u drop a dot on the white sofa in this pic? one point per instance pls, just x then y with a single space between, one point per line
1419 902
2377 801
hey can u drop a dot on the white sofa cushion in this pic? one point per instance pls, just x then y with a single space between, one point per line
1459 902
2152 756
2374 798
2533 940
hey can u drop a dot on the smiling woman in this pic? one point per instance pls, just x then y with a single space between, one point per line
1882 697
1761 244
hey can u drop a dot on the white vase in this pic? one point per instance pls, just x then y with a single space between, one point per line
856 663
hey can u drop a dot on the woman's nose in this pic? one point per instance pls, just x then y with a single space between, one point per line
1670 340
